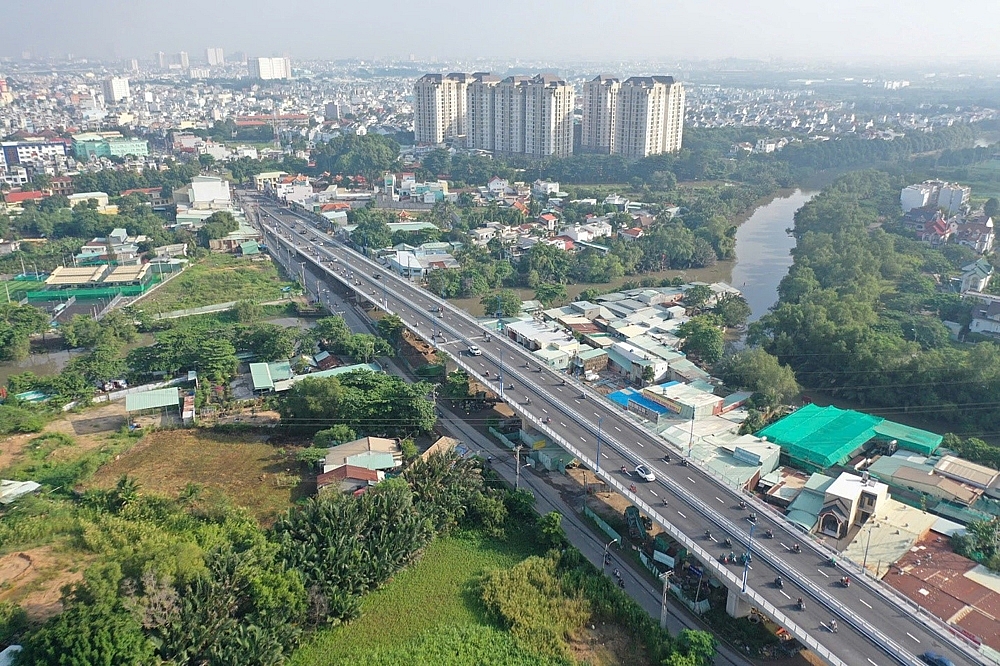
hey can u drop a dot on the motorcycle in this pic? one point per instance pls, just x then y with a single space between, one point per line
845 581
752 517
632 487
796 548
833 626
708 534
666 459
728 543
621 583
802 604
624 469
778 582
769 534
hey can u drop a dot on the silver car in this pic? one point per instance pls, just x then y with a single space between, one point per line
645 473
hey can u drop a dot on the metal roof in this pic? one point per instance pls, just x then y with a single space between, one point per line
155 399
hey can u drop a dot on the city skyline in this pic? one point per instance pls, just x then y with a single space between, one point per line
901 30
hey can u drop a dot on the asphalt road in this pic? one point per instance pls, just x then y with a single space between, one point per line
873 628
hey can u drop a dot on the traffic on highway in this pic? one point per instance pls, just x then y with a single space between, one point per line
801 581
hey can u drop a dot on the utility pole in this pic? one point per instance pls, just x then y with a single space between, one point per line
691 438
746 565
517 458
663 599
600 421
606 546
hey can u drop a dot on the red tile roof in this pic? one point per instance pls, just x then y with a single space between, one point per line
20 197
344 472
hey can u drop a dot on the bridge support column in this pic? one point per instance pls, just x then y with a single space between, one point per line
737 605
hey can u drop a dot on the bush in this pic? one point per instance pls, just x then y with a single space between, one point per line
20 420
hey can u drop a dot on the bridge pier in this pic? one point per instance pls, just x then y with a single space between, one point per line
737 604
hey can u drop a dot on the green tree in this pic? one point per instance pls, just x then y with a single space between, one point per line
756 370
550 530
217 225
333 436
216 359
703 338
732 309
248 311
391 328
504 301
991 207
548 294
696 297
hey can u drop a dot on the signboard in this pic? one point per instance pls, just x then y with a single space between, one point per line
745 456
663 557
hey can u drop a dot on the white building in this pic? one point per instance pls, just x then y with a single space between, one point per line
439 103
481 111
115 89
649 116
939 194
600 100
267 69
204 193
544 188
215 57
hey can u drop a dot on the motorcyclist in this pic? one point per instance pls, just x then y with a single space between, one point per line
833 626
802 604
632 487
778 582
769 534
846 581
624 469
797 548
664 501
729 543
743 504
618 574
708 534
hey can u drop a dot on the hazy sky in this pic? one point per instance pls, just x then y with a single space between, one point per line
605 30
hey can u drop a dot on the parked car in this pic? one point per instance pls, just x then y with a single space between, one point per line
935 659
645 473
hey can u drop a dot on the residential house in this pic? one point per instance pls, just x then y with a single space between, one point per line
498 186
632 234
374 453
544 188
348 479
977 233
850 500
976 276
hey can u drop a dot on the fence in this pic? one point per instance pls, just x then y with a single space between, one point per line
607 529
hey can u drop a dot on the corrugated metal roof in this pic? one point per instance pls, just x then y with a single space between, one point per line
261 377
155 399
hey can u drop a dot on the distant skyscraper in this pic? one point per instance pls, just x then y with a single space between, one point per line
215 57
161 59
649 116
332 111
182 60
600 97
439 107
133 65
266 69
115 89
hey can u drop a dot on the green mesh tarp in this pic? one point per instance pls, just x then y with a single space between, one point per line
911 439
821 437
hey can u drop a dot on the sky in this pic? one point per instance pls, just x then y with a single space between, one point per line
557 30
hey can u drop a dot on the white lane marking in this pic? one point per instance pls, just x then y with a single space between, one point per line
822 572
558 389
545 410
721 501
784 546
785 593
562 424
654 493
641 444
604 454
872 662
582 438
865 602
597 415
618 429
690 479
681 514
913 637
714 539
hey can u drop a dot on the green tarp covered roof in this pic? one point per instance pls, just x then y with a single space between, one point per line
821 436
911 439
155 399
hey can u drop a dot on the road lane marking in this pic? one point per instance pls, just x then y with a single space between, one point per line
714 539
722 501
654 493
562 424
690 479
604 454
545 410
785 593
641 444
913 637
865 602
822 572
681 514
558 389
597 415
582 438
618 429
872 662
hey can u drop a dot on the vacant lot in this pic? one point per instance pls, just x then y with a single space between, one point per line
242 471
218 278
439 590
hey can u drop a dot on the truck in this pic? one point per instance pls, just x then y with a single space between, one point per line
636 526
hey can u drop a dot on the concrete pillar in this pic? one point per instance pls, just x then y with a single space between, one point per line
737 605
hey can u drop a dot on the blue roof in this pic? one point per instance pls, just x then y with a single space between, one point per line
621 397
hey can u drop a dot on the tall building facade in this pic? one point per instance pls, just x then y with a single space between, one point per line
480 108
600 100
182 60
519 115
267 69
215 57
439 107
115 89
649 116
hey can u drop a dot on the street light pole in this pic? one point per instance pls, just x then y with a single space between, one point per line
746 565
600 421
864 564
517 476
663 599
500 373
606 546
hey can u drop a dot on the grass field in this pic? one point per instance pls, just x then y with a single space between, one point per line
18 288
218 278
235 469
437 591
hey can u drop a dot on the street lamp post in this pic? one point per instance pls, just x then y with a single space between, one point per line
864 563
663 598
606 546
600 422
746 565
517 475
500 373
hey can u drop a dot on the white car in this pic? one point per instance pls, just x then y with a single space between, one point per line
475 351
645 473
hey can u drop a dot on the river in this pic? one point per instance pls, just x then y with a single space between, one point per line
763 250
